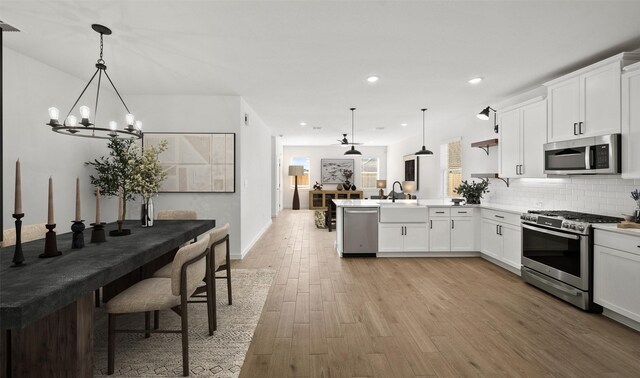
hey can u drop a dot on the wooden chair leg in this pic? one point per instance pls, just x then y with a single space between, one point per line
185 337
147 324
211 305
229 273
111 344
156 319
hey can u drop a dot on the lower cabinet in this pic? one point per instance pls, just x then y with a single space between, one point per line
403 237
616 269
451 230
501 241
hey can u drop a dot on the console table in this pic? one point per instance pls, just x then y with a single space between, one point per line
320 199
46 306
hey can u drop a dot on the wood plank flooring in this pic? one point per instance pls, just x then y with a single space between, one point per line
414 317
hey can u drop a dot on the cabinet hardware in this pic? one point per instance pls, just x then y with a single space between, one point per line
439 212
575 128
498 216
500 230
462 212
517 169
580 128
497 232
521 169
430 224
453 225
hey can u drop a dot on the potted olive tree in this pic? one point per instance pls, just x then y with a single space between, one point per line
473 192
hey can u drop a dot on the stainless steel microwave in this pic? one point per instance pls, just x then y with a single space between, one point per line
584 156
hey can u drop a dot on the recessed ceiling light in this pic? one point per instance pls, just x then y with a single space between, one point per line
373 79
403 124
303 124
475 80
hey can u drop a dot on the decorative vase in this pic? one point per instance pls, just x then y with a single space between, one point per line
353 187
339 187
146 213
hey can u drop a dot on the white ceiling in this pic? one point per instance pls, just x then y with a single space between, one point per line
307 61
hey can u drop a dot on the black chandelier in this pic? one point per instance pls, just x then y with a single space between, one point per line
85 128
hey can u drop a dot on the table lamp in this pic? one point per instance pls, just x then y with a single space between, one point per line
409 187
296 170
381 184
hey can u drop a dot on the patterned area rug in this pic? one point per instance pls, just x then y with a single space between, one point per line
220 355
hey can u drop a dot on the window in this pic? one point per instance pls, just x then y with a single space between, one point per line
369 173
452 171
303 181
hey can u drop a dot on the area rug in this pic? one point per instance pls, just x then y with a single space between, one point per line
220 355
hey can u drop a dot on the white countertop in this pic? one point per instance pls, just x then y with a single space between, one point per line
425 203
613 228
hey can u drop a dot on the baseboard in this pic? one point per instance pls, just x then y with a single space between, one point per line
428 254
621 319
253 242
502 265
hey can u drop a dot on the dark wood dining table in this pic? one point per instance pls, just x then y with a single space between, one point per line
47 305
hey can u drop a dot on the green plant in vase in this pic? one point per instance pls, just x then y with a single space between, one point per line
128 168
473 192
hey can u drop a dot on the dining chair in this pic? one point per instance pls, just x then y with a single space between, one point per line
190 266
220 261
177 214
29 232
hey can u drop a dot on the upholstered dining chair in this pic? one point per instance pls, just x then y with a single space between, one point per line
219 260
190 266
177 214
29 232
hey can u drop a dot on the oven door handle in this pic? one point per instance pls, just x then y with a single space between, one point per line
574 292
555 233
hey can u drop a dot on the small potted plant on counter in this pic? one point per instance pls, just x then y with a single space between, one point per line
473 192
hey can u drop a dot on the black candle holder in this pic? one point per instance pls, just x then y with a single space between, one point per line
97 233
77 240
18 257
120 231
50 243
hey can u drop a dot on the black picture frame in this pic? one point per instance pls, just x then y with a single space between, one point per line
412 169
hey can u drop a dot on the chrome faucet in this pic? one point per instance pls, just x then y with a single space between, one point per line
393 190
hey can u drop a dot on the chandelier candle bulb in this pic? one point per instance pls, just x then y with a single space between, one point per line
139 125
18 198
50 210
54 115
85 112
78 199
130 119
72 121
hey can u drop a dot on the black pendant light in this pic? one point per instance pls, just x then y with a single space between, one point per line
484 115
353 150
423 151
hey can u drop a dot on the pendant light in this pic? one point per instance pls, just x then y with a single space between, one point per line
484 115
353 150
423 151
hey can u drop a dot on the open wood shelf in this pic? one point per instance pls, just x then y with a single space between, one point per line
487 176
485 144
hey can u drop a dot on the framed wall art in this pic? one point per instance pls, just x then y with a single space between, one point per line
331 170
196 162
411 171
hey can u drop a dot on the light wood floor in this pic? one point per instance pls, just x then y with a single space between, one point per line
366 317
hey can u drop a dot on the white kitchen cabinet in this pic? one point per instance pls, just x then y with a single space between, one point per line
451 230
501 237
587 102
631 122
617 273
522 136
403 237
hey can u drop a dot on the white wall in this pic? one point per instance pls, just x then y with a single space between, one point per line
607 195
255 149
316 154
208 114
30 88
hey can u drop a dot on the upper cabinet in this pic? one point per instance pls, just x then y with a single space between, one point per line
587 102
631 121
522 136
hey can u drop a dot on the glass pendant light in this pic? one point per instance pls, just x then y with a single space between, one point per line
423 151
353 150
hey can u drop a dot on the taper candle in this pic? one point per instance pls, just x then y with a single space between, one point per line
97 205
50 213
120 204
78 199
18 200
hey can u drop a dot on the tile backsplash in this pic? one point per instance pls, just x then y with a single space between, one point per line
606 195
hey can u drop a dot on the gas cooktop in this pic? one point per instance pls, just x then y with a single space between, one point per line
571 221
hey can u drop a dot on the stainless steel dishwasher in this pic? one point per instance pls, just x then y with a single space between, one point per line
360 231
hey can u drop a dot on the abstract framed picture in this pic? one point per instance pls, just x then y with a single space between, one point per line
196 162
331 170
411 171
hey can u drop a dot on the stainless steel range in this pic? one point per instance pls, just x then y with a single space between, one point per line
557 254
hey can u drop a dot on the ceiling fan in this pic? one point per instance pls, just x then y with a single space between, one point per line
344 142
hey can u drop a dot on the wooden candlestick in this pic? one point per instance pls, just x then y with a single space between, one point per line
50 212
78 217
50 243
18 256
